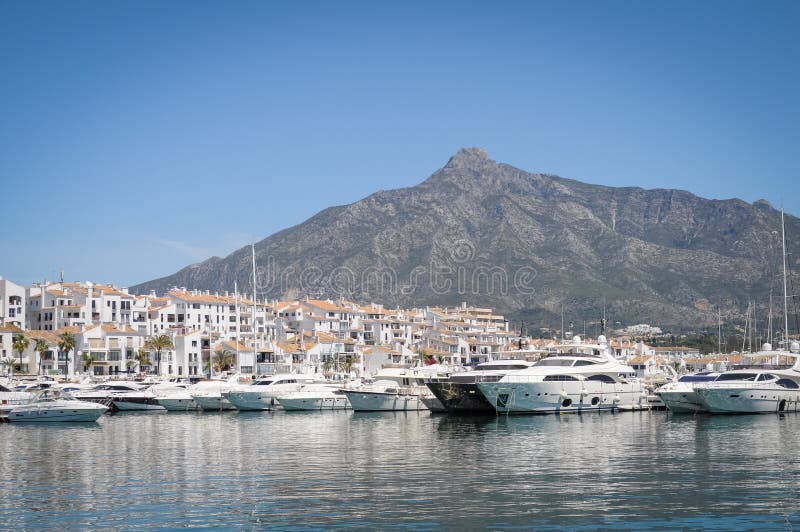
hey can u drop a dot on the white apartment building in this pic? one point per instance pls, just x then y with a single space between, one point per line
12 304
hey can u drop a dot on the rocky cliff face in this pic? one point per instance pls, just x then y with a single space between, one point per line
493 235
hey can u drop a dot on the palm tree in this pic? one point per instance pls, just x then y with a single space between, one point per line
88 361
20 344
222 360
40 347
157 344
142 358
8 361
66 343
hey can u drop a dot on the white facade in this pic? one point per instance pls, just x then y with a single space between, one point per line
12 304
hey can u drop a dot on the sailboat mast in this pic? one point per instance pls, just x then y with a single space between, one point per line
785 295
769 319
719 330
255 348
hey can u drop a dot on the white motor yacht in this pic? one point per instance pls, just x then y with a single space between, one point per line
260 395
54 405
752 391
147 399
177 399
394 389
104 393
580 377
679 396
314 397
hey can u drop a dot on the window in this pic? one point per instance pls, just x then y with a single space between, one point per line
584 363
560 378
601 378
554 362
747 377
787 383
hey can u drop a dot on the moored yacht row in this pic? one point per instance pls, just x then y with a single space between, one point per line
578 377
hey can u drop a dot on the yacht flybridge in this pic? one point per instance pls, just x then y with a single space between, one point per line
579 377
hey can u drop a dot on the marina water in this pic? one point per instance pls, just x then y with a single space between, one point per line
312 470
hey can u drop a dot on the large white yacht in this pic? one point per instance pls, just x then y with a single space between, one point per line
51 405
579 377
314 397
459 393
260 395
753 391
679 396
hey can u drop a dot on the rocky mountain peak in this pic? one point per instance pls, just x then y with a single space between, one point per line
470 158
524 244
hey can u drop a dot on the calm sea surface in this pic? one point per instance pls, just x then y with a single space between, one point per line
324 470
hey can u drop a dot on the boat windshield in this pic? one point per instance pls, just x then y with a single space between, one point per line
52 395
262 383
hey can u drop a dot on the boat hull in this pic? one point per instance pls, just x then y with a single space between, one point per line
137 403
730 400
22 414
177 404
682 402
563 397
363 401
339 402
213 403
249 401
461 398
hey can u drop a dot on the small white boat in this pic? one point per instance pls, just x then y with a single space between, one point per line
54 405
260 395
10 398
680 397
385 396
207 395
314 397
104 393
394 389
177 400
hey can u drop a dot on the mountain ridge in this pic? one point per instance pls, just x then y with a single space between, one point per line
653 254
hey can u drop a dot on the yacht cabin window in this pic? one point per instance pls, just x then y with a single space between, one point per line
554 362
601 378
737 377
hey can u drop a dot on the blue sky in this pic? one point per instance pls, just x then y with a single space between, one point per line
139 137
